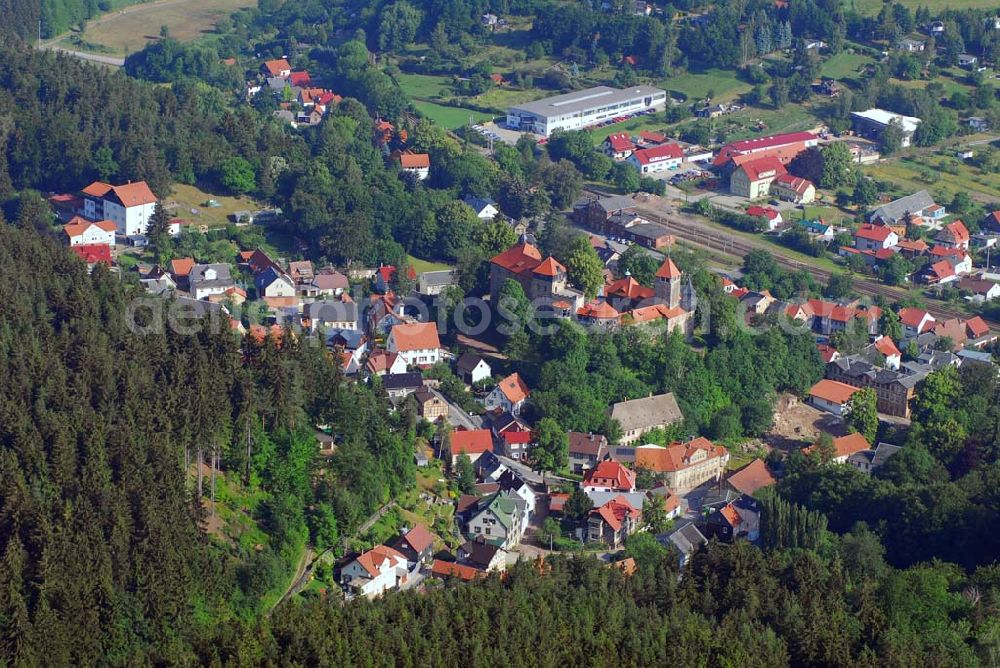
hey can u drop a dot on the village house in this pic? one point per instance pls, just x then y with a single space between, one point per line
953 235
381 363
874 237
869 461
910 45
818 229
430 405
753 178
472 368
130 207
793 189
400 385
585 450
771 215
684 466
872 122
332 314
433 283
418 164
485 208
471 443
981 289
482 556
275 287
499 520
751 478
374 572
884 352
898 212
657 159
93 254
638 416
684 541
204 280
608 476
509 395
915 321
844 447
82 232
737 519
417 544
417 343
791 142
618 146
831 396
276 68
613 522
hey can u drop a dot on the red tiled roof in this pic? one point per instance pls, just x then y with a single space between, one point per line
730 515
75 229
416 336
620 142
942 270
133 194
630 288
373 559
97 189
677 456
826 351
615 511
874 232
518 259
655 154
93 253
414 160
977 327
794 183
181 266
419 538
652 137
668 269
757 169
887 347
300 78
276 67
471 441
912 317
918 246
620 477
832 391
447 569
772 141
752 477
846 445
763 212
956 231
657 312
549 267
598 311
514 388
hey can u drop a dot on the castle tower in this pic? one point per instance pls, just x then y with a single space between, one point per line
668 284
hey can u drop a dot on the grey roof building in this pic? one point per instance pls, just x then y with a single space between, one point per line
686 539
897 210
434 282
637 416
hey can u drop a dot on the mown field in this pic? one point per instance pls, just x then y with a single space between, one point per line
872 7
130 29
450 117
942 176
724 85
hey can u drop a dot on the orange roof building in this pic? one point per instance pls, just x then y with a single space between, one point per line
844 447
417 343
684 465
831 395
470 442
750 478
609 476
523 263
130 206
277 68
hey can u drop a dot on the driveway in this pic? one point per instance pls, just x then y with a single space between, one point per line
458 417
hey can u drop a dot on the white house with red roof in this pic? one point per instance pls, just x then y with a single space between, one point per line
618 146
374 572
771 215
130 207
844 447
613 522
887 353
276 68
416 163
657 159
509 395
915 321
753 178
609 476
760 144
473 443
875 237
831 396
82 232
417 343
793 189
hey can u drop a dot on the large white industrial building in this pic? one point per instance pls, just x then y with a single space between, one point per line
581 108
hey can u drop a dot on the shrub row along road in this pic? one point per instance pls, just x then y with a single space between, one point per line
694 232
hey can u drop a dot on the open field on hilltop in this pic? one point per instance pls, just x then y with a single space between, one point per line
190 197
942 176
872 7
844 65
696 84
130 29
449 117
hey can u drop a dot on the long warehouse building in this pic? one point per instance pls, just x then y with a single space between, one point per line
581 108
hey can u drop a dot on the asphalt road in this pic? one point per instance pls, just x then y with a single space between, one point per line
93 57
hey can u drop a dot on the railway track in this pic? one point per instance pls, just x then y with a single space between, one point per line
691 231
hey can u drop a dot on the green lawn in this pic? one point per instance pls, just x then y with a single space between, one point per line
424 86
420 266
872 7
942 176
844 65
654 122
724 84
450 117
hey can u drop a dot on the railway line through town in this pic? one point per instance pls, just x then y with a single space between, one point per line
696 233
